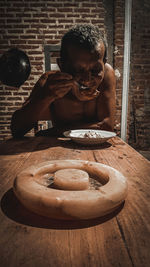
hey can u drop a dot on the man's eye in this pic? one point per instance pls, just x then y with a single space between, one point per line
80 71
95 72
70 71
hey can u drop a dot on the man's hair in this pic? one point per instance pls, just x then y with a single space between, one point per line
86 36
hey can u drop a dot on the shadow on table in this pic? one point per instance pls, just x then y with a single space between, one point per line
29 144
14 210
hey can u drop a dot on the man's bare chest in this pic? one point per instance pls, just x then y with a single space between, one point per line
71 109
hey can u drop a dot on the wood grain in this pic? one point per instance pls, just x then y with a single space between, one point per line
118 239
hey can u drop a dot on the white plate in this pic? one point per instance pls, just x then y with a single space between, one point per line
89 136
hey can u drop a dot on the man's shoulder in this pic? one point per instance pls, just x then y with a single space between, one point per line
109 81
109 71
109 76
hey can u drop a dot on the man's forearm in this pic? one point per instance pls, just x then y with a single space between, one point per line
106 124
24 119
20 125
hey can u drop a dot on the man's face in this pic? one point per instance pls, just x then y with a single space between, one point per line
86 67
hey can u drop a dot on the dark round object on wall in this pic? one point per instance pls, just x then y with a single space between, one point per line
14 67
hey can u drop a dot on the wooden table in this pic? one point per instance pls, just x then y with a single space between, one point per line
119 239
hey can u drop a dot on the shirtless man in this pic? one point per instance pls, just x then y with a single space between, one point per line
80 95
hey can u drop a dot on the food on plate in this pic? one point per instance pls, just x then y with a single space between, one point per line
91 134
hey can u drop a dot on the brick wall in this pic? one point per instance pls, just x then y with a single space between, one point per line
29 25
119 11
139 131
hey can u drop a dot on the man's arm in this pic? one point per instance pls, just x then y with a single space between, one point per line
50 86
24 119
106 103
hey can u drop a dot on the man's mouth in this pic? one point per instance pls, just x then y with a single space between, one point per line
85 93
82 87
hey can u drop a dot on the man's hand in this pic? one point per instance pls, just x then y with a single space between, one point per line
54 84
51 132
105 125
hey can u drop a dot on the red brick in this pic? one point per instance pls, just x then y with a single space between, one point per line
65 21
28 36
14 98
31 21
41 15
23 15
17 42
71 5
12 21
48 10
65 10
82 10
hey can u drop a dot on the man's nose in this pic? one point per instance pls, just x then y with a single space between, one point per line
86 76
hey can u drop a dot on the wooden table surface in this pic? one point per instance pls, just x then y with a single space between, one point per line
118 239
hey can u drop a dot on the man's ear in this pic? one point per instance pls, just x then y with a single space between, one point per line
59 63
